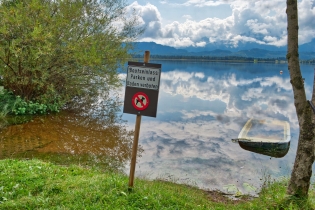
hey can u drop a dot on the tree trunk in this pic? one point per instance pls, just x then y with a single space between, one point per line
302 170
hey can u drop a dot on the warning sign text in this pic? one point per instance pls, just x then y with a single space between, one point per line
143 77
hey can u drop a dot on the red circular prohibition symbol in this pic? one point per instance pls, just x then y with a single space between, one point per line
140 101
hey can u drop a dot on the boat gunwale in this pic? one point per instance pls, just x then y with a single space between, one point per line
244 138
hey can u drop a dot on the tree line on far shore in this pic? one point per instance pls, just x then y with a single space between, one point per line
223 58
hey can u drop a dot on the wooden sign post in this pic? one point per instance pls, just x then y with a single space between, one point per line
134 152
141 98
136 137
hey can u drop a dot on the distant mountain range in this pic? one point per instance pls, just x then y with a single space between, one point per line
306 51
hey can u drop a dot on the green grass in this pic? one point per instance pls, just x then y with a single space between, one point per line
34 184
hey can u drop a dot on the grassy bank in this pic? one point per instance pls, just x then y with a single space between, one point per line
33 184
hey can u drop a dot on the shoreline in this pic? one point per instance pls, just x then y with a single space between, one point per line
222 61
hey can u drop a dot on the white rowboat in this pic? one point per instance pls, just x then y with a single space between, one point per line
267 137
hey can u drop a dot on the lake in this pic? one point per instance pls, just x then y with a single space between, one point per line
202 106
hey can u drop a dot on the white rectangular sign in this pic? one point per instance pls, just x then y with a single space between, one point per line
143 77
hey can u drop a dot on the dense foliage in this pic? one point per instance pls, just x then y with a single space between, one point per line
11 104
54 51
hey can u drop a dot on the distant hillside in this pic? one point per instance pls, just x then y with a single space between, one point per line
307 47
306 52
157 49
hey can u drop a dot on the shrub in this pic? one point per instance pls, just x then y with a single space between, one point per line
15 105
54 51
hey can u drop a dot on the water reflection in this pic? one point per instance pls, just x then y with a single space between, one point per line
201 108
97 136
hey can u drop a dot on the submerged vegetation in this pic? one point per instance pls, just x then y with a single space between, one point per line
33 184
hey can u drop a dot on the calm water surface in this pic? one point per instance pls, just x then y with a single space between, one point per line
202 106
94 138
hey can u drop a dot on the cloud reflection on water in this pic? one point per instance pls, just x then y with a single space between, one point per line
200 111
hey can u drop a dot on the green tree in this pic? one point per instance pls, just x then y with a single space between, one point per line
52 51
302 171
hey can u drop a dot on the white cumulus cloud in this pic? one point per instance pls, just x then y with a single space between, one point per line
262 22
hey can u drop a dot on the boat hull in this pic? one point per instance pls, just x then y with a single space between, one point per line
266 137
277 150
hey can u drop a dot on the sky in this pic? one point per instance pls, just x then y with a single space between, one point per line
196 23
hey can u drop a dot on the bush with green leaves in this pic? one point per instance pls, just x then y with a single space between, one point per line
21 107
11 104
3 114
54 51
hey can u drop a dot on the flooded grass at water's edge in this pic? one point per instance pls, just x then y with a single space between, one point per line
68 138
